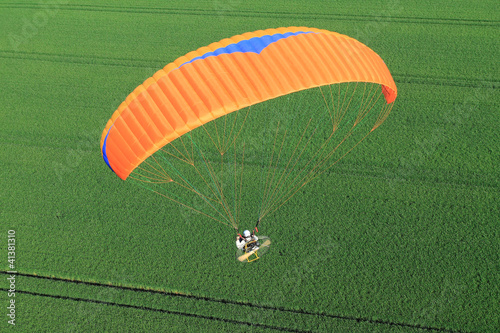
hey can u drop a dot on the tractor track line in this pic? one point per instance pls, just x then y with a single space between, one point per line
155 65
242 303
146 308
82 60
232 12
473 181
394 175
449 82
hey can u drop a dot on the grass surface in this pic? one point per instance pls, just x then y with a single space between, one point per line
401 236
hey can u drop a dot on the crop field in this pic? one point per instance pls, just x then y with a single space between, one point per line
400 235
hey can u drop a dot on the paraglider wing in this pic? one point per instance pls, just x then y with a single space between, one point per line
229 75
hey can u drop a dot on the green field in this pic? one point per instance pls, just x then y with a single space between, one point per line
402 235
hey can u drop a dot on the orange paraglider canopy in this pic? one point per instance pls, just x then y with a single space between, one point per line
229 75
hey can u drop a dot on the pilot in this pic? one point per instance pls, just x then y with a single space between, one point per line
246 239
